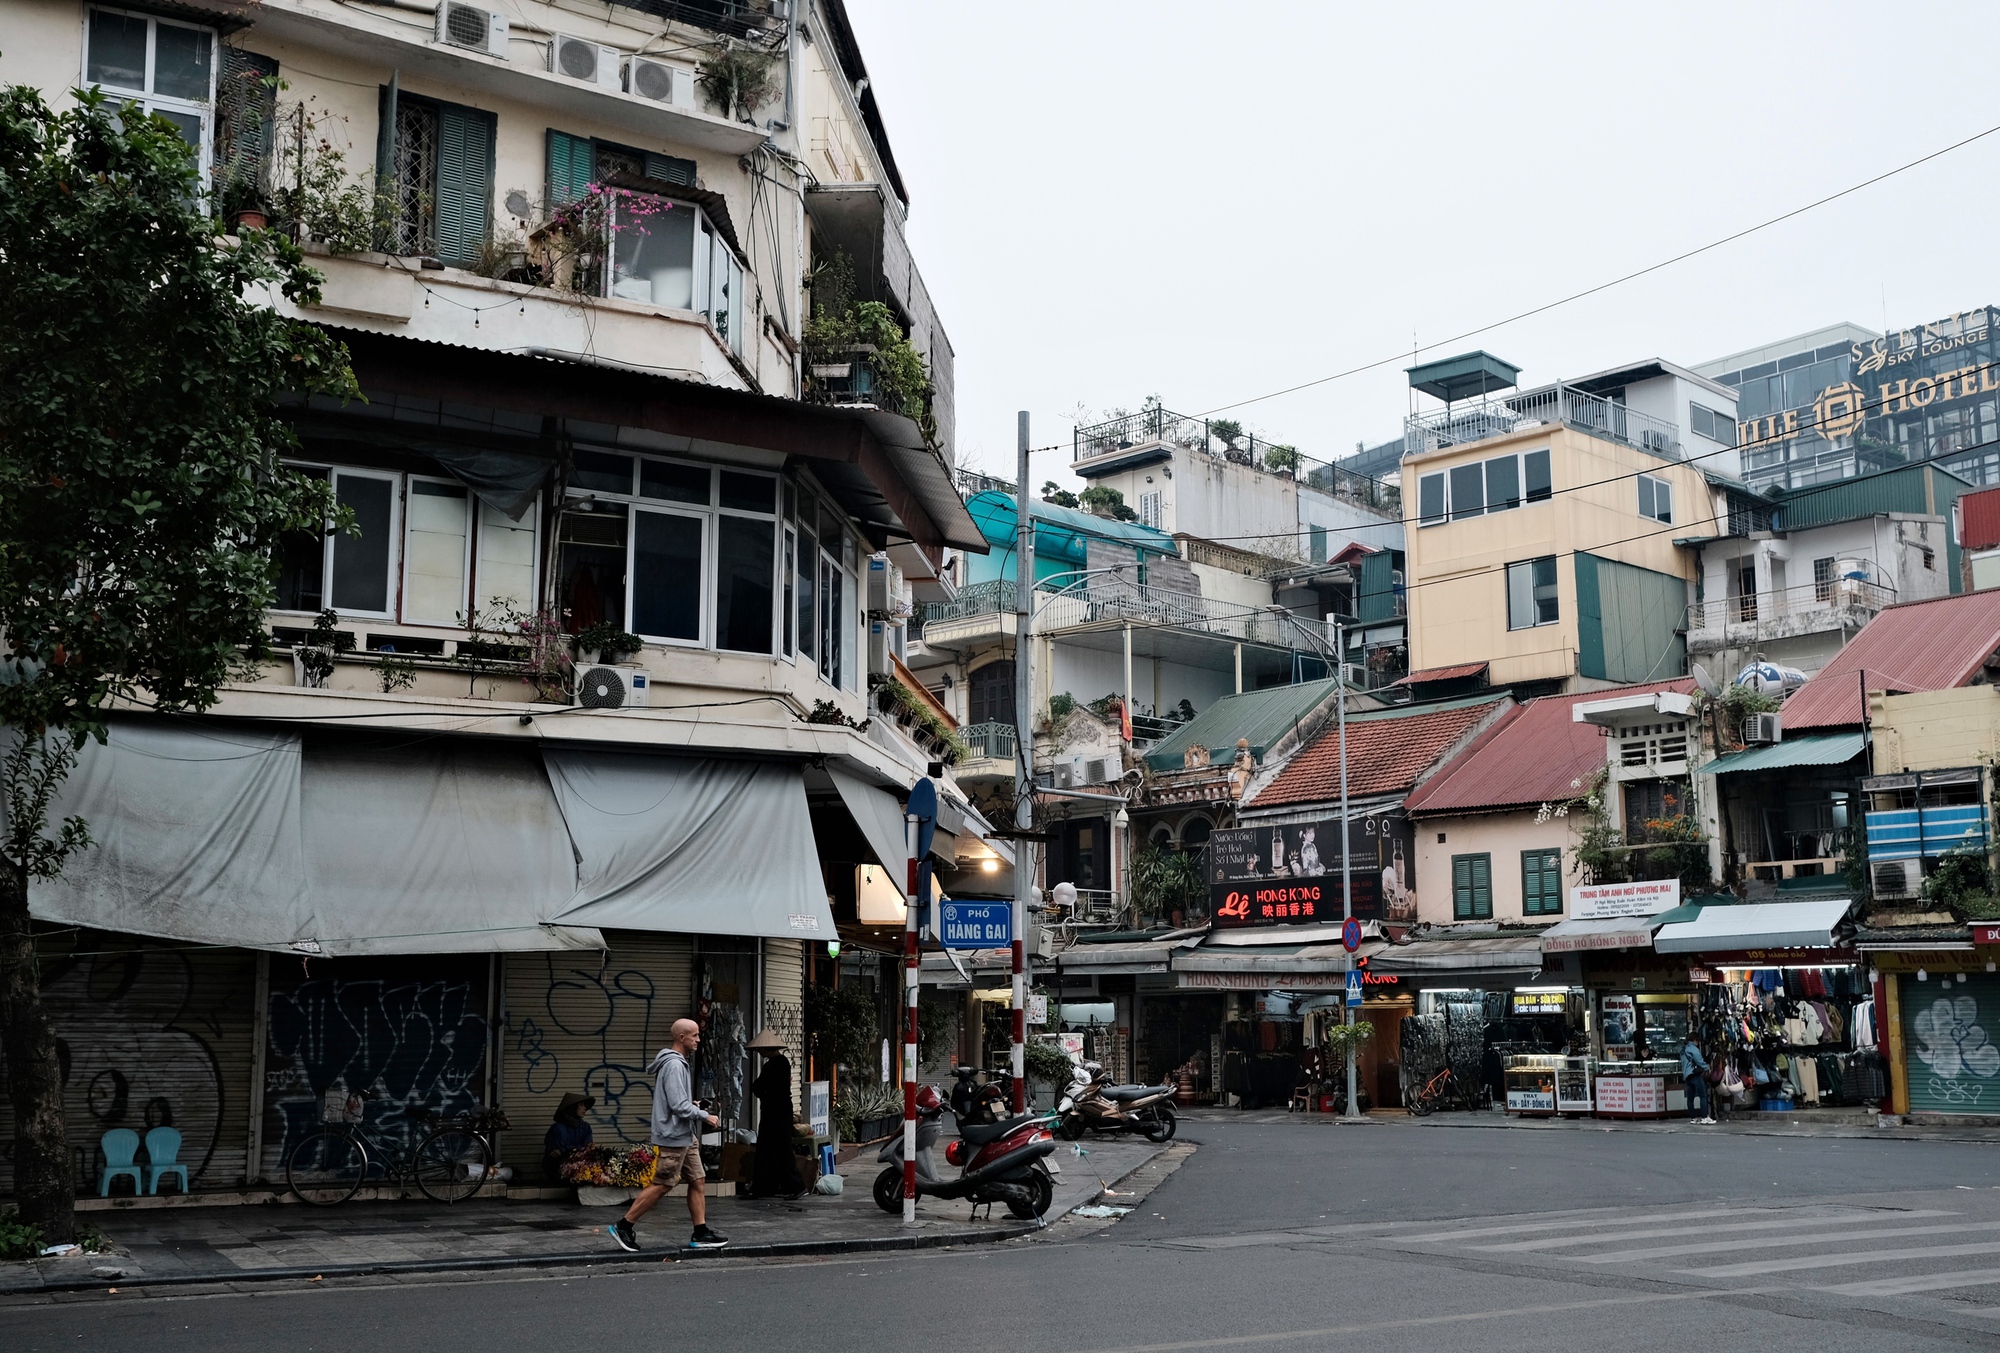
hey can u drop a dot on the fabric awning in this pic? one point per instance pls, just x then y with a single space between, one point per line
880 818
1581 934
1811 749
1486 953
1755 925
690 844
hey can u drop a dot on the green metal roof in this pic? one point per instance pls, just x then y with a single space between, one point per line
1059 530
1468 374
1261 716
1812 749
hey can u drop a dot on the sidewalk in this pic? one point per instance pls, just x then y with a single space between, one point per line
1831 1123
198 1245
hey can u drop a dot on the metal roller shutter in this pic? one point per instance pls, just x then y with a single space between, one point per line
1951 1042
409 1032
150 1037
589 1023
784 1005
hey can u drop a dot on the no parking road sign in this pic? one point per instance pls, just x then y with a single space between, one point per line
1350 934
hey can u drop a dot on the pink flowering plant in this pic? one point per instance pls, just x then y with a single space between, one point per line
581 236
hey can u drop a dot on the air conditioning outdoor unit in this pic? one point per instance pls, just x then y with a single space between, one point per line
880 645
1063 775
885 587
1355 674
591 62
659 82
1897 878
1759 728
612 687
468 26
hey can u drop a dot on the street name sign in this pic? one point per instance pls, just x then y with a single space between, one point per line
975 925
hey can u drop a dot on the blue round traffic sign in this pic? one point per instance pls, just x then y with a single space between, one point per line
1350 934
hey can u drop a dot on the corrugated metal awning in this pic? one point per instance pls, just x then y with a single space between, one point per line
1815 749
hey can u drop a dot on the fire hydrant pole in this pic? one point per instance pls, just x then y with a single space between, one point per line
1024 758
910 1029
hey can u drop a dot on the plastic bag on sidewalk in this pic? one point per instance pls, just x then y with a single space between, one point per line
829 1184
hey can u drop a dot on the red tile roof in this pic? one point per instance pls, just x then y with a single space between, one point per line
1535 754
1919 646
1458 673
1387 752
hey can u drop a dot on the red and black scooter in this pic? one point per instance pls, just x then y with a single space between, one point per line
1001 1162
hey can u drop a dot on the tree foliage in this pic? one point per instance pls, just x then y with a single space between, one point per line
141 491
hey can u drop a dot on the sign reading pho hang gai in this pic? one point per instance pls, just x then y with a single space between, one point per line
1290 874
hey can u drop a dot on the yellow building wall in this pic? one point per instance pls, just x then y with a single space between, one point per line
1936 729
1503 836
1457 570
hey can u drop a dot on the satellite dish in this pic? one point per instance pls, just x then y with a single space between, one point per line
1703 680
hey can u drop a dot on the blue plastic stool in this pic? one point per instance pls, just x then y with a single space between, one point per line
119 1145
163 1144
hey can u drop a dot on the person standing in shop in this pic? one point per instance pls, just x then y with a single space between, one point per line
1694 1081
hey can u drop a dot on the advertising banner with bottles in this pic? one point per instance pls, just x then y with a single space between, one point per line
1289 874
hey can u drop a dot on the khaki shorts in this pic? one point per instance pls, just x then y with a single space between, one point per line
679 1165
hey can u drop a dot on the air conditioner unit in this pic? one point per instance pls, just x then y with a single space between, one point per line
885 587
605 686
880 646
1897 878
475 29
591 62
1063 775
1355 675
1762 728
1094 770
659 82
1655 440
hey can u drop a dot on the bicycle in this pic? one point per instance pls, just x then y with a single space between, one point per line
329 1165
1427 1098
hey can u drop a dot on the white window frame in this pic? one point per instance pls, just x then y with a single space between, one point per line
393 580
1507 598
705 625
203 109
1653 486
787 598
465 561
532 523
1453 513
778 525
706 243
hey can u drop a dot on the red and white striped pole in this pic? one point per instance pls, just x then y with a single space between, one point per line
910 1029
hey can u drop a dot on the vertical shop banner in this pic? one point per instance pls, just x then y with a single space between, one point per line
1621 1025
1290 874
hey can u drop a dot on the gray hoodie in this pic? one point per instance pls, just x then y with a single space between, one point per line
675 1117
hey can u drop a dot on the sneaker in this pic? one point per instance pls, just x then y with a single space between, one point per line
621 1231
705 1238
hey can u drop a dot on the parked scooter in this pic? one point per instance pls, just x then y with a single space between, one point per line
1001 1162
974 1099
1091 1105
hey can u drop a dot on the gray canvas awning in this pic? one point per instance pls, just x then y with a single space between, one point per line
690 844
1755 925
1581 934
1487 953
880 818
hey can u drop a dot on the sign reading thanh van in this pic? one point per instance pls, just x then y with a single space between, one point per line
1598 900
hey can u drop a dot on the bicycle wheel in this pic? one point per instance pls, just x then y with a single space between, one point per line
451 1164
327 1166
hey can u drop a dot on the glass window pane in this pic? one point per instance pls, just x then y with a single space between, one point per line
301 561
743 584
602 472
848 677
361 562
1545 590
1503 484
1535 473
666 576
805 582
788 571
1430 499
1520 597
117 51
675 483
748 492
187 124
1663 501
590 568
1468 491
1645 496
506 570
181 62
438 520
653 253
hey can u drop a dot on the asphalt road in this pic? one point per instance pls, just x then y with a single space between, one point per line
1278 1235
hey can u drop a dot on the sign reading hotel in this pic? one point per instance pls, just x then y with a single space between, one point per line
1290 874
1599 900
1841 409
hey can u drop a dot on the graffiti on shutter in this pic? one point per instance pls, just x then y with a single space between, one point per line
1951 1042
410 1033
149 1037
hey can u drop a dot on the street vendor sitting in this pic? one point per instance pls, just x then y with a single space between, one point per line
567 1135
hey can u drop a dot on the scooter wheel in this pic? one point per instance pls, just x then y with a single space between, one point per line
1161 1124
889 1189
1069 1127
1041 1193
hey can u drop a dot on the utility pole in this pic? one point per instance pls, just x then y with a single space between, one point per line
910 978
1346 860
1024 756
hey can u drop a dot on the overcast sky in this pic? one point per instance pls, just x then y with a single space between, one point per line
1212 202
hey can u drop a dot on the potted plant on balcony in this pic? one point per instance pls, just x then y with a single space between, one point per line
313 661
1283 460
605 642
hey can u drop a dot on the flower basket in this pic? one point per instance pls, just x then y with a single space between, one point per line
611 1167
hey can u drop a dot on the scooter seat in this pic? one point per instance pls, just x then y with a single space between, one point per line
981 1133
1121 1094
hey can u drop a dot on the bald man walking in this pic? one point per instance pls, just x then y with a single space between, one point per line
677 1122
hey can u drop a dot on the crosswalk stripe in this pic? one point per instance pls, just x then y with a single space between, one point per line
1844 1214
1779 1242
1922 1282
1600 1219
1839 1260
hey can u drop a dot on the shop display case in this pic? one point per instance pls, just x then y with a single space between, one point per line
1637 1089
1543 1084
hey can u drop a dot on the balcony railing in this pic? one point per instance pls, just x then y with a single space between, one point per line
757 21
988 742
1830 602
1165 427
1501 415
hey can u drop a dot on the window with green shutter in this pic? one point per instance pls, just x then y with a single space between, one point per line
1541 883
1471 887
464 182
572 167
576 162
